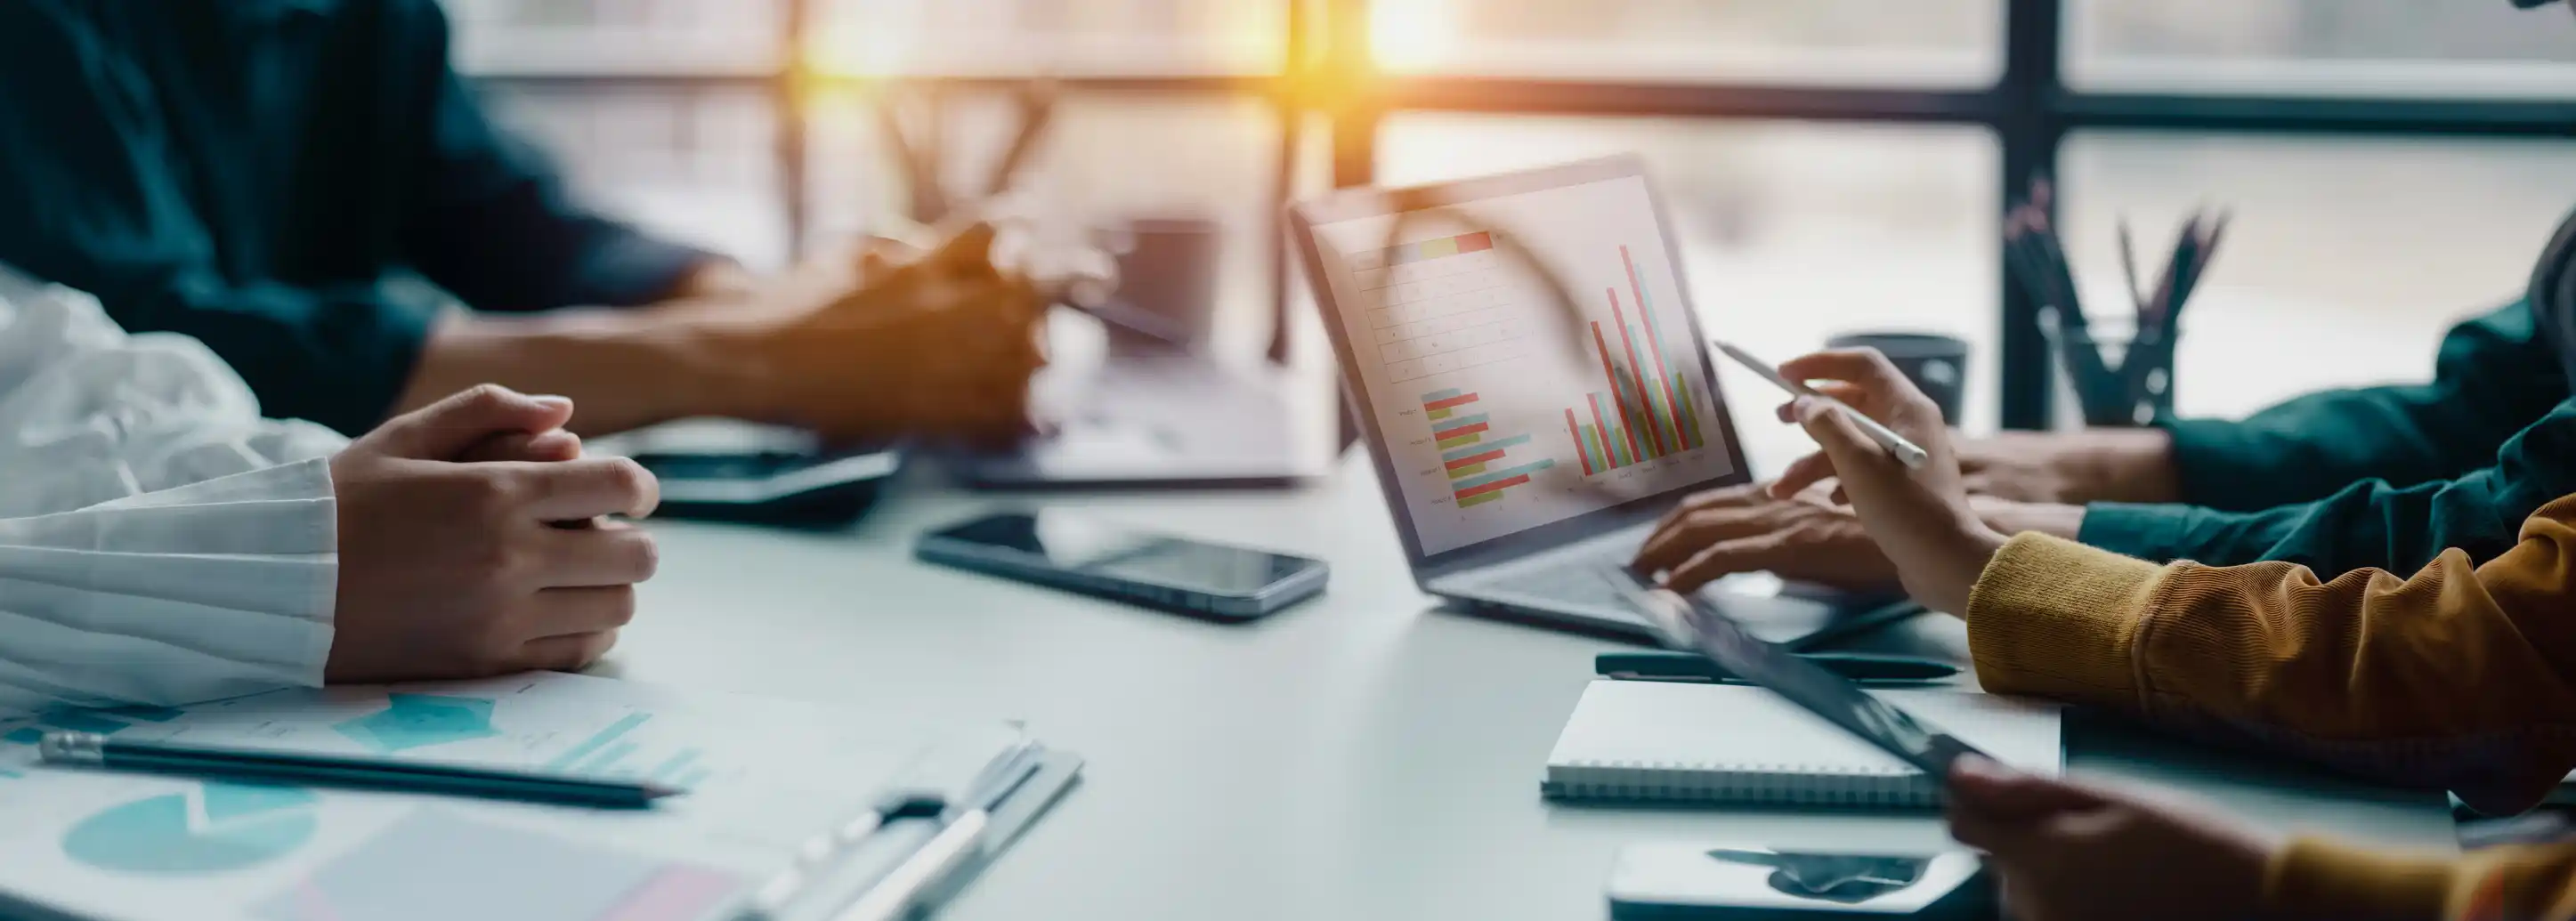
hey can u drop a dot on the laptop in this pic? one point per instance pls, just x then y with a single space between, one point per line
1518 446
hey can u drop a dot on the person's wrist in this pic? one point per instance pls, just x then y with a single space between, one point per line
1972 550
2124 465
2008 517
721 364
715 278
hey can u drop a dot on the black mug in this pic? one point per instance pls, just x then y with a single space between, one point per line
1167 267
1937 364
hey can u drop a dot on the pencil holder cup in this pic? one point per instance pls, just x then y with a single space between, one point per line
2111 377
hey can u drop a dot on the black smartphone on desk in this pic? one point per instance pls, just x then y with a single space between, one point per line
808 488
1083 555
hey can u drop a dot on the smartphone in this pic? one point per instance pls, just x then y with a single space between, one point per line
1082 555
1677 881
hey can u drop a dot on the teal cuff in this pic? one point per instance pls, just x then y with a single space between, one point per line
2210 458
2149 532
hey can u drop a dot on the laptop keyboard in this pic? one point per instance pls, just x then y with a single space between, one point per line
1573 583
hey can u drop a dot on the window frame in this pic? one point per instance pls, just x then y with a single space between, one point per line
2030 108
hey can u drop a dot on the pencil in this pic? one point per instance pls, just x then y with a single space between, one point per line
94 750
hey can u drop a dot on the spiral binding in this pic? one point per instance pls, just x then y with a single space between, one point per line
1785 784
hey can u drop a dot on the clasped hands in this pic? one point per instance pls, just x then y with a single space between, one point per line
886 339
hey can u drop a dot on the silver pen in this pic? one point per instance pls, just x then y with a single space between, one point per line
1906 452
957 840
818 858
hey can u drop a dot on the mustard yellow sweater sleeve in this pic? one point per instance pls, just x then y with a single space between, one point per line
2456 678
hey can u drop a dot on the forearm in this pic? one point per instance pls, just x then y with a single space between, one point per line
624 369
2008 517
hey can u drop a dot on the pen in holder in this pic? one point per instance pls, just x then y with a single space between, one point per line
2112 376
2118 377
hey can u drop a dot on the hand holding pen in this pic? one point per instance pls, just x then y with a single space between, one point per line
1918 515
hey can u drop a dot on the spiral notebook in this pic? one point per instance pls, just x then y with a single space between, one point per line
1740 744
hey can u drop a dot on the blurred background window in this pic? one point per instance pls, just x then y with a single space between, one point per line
1060 37
1789 232
1841 42
1833 164
2323 47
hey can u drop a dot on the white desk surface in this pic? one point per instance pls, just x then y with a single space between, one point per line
1360 756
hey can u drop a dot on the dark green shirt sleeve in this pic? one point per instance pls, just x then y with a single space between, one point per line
273 177
2493 376
90 201
2370 523
495 224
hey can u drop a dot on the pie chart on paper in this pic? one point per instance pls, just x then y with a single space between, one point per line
211 828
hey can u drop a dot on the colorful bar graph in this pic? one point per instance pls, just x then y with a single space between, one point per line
1490 488
1673 383
1494 445
1456 425
1647 411
1478 469
1635 372
1575 432
1504 475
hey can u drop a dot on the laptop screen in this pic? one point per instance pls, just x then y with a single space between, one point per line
1499 413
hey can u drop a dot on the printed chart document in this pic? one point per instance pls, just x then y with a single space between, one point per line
764 777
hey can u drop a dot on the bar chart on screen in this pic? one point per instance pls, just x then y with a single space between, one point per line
1648 408
1482 465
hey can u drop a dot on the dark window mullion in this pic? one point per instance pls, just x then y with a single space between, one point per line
2030 129
795 132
